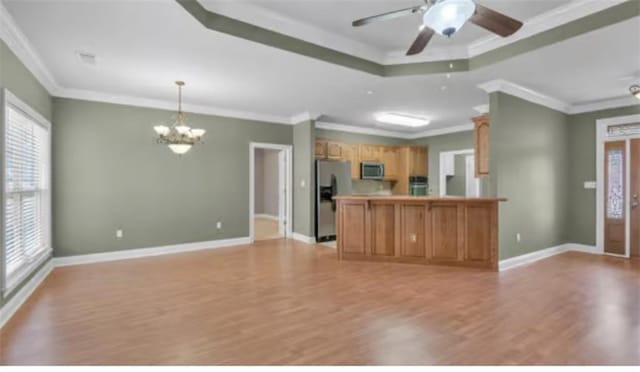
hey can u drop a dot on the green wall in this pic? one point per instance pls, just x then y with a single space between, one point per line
443 143
358 138
457 185
110 174
582 151
304 173
529 165
15 77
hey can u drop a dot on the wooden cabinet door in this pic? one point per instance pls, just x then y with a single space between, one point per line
352 227
412 238
383 226
480 221
390 159
321 149
350 154
334 150
370 153
418 161
481 144
445 230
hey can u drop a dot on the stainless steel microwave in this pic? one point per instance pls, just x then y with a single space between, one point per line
371 171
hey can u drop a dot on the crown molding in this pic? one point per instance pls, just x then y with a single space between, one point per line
393 134
524 93
302 117
625 101
554 103
95 96
256 14
481 109
22 48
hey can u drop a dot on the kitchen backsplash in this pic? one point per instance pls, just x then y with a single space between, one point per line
371 187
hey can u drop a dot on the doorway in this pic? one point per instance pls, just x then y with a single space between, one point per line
270 197
618 185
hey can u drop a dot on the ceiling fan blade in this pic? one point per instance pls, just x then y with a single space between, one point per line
389 15
421 41
495 22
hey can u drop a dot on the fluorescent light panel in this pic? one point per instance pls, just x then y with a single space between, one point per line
406 120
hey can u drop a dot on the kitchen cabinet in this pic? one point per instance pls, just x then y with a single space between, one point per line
350 154
412 161
321 149
334 150
418 161
390 159
422 230
481 144
371 153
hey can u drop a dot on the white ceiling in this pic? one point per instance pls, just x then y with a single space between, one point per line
143 46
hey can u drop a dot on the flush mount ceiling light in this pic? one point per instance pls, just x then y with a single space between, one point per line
179 137
635 90
447 17
406 120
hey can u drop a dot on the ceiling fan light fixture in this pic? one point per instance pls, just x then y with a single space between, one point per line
635 90
402 119
446 17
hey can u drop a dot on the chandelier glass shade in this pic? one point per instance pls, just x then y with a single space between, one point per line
179 137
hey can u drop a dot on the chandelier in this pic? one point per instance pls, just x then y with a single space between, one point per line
179 137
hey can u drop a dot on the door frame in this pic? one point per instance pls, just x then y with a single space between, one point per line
601 139
442 184
285 185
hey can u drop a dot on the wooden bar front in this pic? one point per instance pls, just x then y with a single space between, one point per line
426 230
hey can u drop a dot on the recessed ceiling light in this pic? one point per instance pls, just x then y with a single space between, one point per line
443 88
369 92
406 120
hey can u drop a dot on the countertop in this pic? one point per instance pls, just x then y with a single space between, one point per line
417 198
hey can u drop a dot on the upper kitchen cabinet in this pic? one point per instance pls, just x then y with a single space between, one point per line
371 153
334 150
321 149
350 154
391 160
481 144
418 161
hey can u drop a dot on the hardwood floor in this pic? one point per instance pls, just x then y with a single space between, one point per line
284 302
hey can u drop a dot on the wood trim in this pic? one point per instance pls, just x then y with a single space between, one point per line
481 144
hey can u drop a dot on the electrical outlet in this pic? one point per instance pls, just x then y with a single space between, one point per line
303 184
219 225
518 237
119 234
413 238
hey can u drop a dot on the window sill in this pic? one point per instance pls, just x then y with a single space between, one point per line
22 274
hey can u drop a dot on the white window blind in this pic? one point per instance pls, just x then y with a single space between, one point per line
26 193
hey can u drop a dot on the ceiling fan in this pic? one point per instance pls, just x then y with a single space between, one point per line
446 17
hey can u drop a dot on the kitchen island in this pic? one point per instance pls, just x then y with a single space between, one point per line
425 230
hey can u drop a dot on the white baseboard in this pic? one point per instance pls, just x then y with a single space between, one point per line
147 252
524 259
10 308
303 238
267 216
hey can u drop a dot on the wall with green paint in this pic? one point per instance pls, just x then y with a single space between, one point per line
457 184
529 165
110 174
347 137
15 77
303 178
443 143
582 152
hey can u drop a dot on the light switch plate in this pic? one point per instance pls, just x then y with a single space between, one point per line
589 184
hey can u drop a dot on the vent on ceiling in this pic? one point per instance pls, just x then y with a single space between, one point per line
86 57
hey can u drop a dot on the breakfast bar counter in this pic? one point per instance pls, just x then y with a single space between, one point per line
425 230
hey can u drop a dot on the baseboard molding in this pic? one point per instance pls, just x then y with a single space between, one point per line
303 238
148 252
267 216
10 308
528 258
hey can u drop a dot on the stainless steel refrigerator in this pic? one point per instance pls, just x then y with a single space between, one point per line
332 178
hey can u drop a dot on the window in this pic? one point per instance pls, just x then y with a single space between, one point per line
27 191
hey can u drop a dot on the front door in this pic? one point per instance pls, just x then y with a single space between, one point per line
614 219
635 198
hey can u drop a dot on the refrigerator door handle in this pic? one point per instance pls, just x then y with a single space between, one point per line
334 191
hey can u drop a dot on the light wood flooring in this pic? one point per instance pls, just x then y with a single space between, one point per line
284 302
265 228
